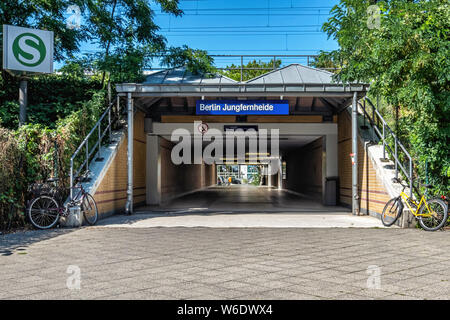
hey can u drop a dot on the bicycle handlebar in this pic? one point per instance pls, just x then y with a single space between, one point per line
396 180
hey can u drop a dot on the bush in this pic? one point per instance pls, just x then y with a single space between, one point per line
50 98
34 152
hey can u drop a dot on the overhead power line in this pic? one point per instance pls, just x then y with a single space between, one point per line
241 27
242 34
263 50
249 14
255 9
241 31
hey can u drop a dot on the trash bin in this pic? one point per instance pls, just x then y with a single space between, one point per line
331 191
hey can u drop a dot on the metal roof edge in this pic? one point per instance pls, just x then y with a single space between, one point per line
272 71
202 75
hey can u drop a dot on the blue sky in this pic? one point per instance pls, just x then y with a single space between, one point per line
248 27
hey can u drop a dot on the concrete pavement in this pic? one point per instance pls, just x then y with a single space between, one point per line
242 220
225 263
246 198
243 206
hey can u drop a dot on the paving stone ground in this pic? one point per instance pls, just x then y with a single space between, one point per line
226 263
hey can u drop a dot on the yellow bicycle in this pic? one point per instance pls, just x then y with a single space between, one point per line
432 214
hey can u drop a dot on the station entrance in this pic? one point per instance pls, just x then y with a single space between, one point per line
301 171
295 184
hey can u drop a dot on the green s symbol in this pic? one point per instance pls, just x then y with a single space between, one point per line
29 49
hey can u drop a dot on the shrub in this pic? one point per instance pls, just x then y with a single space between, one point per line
34 152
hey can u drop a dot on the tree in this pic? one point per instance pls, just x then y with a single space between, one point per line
403 52
124 30
49 15
122 24
328 61
196 61
111 24
259 68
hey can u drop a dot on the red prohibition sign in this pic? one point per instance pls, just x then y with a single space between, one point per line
203 128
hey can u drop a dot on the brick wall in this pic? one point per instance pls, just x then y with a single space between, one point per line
373 195
111 194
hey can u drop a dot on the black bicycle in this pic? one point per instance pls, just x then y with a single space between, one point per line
47 205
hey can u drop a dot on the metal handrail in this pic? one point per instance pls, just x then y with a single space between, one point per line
375 120
98 144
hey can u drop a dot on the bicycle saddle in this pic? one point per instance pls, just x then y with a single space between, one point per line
52 179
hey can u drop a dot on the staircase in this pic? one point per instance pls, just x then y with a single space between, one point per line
380 131
389 156
94 155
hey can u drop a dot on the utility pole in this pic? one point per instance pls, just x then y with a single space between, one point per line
129 203
355 195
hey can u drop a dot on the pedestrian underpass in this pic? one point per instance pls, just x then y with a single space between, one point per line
310 167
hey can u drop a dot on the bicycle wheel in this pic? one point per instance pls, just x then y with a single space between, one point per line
89 208
43 212
436 217
392 211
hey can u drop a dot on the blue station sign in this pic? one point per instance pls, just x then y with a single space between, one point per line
242 107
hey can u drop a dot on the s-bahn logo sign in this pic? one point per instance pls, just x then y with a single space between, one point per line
242 107
26 49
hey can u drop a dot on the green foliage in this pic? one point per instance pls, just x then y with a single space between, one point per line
406 62
47 15
50 97
126 32
64 107
125 65
327 60
77 68
196 61
27 155
250 74
109 23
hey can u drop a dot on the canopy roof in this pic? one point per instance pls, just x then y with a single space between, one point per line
291 80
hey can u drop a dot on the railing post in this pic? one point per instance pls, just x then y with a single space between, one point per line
373 113
87 154
384 142
364 113
71 179
410 178
242 67
396 158
99 141
109 123
118 107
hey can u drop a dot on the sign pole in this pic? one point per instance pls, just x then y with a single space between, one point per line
23 101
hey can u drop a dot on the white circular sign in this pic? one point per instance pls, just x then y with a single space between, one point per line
203 128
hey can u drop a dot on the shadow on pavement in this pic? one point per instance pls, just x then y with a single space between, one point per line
11 243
